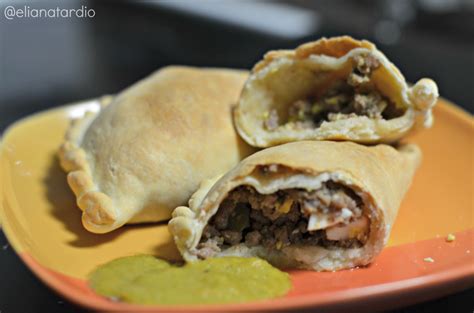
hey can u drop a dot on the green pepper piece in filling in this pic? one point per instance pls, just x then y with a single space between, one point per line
337 100
317 108
240 218
301 115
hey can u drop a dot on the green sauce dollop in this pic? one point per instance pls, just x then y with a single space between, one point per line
147 280
111 278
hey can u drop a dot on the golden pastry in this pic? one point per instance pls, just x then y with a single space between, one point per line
146 152
331 89
317 205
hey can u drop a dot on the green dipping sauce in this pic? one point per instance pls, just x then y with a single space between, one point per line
144 279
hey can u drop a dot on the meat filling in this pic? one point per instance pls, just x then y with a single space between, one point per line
331 216
345 99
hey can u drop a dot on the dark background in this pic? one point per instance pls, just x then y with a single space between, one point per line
52 61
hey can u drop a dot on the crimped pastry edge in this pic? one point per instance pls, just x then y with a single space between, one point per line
98 213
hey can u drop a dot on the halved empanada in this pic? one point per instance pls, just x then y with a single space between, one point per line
318 205
331 89
146 152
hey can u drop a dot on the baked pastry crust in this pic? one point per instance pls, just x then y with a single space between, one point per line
147 150
380 175
286 75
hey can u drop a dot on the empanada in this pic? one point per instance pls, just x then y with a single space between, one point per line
317 205
146 152
331 89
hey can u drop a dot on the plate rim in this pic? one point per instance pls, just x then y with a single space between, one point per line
458 278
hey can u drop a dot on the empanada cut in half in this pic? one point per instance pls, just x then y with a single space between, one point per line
146 152
331 89
316 205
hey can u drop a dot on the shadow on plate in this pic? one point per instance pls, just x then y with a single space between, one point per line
168 251
64 208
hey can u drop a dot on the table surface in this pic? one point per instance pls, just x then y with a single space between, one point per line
45 63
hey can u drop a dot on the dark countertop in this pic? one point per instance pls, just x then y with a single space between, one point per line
49 62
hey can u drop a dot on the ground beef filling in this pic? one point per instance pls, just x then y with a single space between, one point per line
346 99
280 219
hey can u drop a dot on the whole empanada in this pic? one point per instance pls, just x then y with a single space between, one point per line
317 205
331 89
146 152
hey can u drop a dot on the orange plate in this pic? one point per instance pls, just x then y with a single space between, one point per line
42 223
